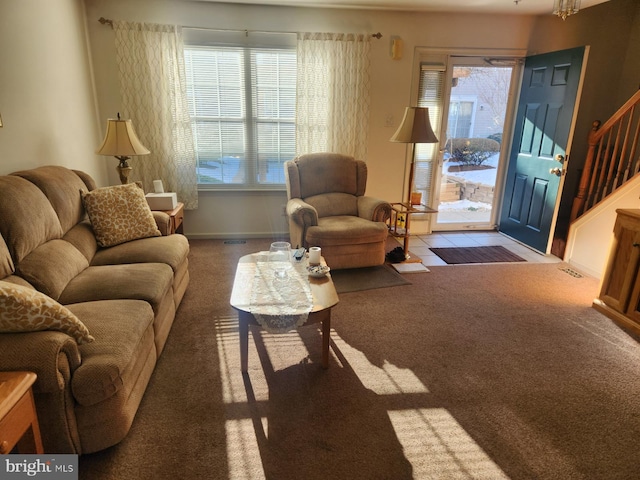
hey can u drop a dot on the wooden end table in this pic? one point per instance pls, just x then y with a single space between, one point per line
324 298
18 419
403 211
176 218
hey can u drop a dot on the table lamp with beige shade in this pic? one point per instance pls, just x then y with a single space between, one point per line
122 142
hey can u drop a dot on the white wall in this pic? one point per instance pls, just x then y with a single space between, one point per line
590 237
46 95
236 214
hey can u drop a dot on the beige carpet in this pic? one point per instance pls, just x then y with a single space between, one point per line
493 371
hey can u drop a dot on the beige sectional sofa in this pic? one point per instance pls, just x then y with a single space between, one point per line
122 297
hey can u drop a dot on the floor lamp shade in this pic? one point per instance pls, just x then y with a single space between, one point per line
122 142
415 127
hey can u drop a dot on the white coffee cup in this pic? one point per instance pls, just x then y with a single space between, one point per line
314 255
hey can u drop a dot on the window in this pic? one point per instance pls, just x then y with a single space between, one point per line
461 115
430 94
242 108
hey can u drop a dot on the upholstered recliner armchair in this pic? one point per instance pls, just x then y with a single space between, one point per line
327 208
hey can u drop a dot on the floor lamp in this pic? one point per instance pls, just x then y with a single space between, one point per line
122 142
415 128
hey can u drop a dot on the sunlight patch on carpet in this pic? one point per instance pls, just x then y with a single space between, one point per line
233 387
438 447
243 452
388 380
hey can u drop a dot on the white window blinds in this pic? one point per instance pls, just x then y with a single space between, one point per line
242 108
431 95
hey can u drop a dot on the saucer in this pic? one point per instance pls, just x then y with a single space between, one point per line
317 270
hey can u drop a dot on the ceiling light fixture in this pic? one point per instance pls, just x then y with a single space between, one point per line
564 8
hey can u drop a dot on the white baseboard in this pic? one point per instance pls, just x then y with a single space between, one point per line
235 236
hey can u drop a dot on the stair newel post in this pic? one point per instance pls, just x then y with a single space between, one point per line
587 178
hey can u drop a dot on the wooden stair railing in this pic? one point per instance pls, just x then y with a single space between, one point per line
612 158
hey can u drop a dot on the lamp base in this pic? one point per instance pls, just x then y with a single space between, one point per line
124 172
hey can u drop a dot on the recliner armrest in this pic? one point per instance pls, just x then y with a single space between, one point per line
301 212
374 209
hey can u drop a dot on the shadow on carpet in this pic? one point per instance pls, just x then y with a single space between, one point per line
460 255
368 278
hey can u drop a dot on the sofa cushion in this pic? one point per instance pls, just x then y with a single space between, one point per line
28 219
119 214
23 309
124 333
82 237
172 250
61 186
332 204
139 281
50 267
343 230
6 262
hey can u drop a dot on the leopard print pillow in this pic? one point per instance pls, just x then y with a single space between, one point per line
24 309
119 214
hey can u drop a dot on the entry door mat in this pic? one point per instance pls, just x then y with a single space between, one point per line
368 278
459 255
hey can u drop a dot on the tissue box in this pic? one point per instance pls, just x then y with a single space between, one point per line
162 201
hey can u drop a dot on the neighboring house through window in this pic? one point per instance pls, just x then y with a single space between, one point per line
461 117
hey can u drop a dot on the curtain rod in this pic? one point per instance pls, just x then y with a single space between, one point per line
106 21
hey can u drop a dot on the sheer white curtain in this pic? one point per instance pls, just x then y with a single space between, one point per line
150 61
332 104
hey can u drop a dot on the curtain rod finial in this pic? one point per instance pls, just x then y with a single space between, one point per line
105 21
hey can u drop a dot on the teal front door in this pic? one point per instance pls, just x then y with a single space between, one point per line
543 124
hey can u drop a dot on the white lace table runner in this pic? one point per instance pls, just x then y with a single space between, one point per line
280 304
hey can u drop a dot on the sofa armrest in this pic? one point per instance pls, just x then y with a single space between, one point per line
163 221
51 355
374 209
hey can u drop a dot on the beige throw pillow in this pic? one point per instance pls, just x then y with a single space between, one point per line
119 214
23 309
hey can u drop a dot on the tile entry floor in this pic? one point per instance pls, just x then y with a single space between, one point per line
419 245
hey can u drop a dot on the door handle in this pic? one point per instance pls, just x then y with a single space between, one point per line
556 171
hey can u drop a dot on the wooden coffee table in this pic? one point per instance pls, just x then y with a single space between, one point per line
324 298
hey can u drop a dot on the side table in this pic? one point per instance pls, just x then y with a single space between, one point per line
177 218
18 419
401 219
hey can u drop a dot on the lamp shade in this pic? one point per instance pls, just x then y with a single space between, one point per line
415 127
121 140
